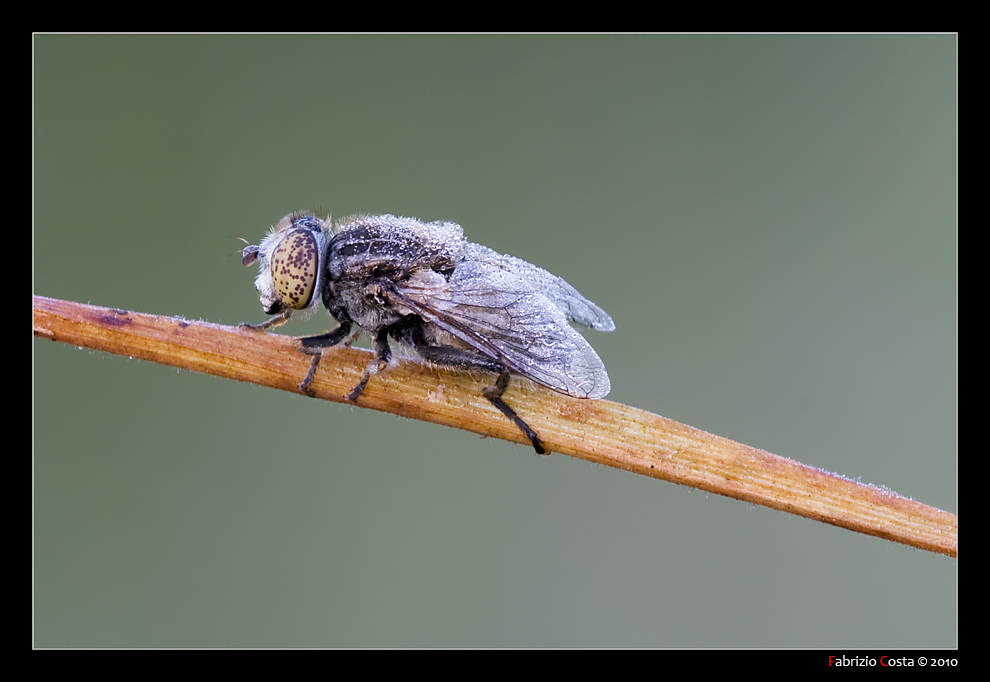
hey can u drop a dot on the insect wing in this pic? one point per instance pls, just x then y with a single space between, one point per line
568 300
504 316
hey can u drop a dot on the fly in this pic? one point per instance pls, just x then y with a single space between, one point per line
457 304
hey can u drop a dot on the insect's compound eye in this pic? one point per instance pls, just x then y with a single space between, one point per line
295 265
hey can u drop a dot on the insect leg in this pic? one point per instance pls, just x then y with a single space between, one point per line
456 357
275 321
315 345
383 353
494 395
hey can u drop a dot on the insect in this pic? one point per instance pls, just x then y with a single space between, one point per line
457 304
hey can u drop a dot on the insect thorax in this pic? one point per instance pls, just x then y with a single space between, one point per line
388 246
368 254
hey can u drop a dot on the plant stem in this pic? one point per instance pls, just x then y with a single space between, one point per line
595 430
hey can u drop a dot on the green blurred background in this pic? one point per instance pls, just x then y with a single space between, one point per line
770 220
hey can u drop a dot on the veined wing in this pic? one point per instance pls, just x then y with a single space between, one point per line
576 308
504 316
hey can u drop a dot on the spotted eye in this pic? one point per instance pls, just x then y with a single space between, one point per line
295 265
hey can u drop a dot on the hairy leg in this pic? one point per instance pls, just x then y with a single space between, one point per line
383 354
315 345
455 357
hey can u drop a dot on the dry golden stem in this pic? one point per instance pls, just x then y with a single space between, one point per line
595 430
